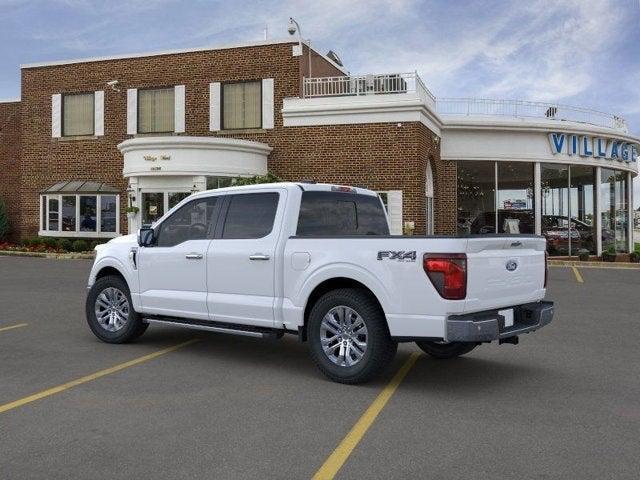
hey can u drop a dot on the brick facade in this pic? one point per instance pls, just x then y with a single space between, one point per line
9 160
381 156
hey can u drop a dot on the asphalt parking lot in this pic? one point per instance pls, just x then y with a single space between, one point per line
565 403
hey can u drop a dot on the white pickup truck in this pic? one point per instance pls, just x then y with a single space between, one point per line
317 261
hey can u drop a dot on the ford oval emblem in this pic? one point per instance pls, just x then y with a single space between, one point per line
511 265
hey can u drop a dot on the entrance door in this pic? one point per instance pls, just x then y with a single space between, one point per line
173 272
242 257
152 207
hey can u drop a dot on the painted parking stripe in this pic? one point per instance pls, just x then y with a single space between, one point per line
334 463
576 272
94 376
11 327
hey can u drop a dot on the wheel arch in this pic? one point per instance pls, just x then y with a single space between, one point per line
334 283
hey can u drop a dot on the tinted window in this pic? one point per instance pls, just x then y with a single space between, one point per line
192 221
251 215
337 213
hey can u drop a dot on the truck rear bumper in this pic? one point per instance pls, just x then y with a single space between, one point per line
491 325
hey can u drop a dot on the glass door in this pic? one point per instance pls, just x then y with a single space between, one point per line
152 207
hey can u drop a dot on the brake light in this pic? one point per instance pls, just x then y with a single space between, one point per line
448 273
343 189
546 268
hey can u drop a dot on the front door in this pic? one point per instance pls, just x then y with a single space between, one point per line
173 273
242 258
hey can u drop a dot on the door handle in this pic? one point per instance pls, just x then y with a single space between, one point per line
193 256
259 256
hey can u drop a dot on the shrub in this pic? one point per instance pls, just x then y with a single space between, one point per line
65 244
48 242
80 246
95 243
4 221
268 178
26 242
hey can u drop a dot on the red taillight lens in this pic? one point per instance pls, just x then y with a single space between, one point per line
448 273
546 268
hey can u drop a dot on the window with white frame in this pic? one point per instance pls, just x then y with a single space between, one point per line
79 215
156 110
241 105
78 114
392 201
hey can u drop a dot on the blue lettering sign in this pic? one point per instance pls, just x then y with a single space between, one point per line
614 150
557 142
601 147
624 151
573 146
634 153
586 147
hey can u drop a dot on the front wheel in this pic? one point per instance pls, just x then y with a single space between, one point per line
445 350
348 336
110 313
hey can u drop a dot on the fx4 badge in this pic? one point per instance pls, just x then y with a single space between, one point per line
400 256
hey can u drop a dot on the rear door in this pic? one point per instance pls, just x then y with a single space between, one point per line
504 271
241 259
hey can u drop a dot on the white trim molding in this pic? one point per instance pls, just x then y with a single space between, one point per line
98 113
132 111
56 115
268 107
215 111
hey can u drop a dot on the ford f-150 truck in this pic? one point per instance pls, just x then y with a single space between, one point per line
317 261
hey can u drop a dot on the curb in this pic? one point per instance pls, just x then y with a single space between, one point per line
55 256
603 265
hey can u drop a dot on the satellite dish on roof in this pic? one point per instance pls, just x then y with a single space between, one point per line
334 56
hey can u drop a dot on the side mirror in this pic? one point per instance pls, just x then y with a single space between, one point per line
146 237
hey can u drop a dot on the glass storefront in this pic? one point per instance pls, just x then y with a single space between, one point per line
516 212
614 190
476 197
502 195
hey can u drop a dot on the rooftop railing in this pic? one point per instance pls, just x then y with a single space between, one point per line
399 83
356 85
526 109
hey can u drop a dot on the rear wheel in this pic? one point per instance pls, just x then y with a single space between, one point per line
348 336
444 350
110 313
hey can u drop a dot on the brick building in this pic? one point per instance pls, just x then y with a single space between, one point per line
90 137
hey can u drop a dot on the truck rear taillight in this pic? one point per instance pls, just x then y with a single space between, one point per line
448 273
546 268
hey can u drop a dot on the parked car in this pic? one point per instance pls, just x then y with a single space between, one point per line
317 261
485 222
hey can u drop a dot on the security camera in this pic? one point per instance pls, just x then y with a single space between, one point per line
292 27
112 84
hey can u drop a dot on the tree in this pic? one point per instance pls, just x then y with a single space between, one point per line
268 178
4 221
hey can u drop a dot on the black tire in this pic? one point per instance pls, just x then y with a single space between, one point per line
380 349
133 327
443 351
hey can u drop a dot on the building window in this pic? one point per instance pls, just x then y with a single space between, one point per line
615 217
476 197
156 110
78 114
515 198
75 215
241 105
219 182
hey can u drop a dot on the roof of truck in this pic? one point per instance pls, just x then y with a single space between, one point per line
315 187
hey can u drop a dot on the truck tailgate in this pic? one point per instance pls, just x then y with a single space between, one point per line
504 271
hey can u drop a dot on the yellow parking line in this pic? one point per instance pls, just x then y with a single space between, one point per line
577 274
94 376
332 465
19 325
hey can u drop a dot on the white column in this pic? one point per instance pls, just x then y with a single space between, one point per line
630 211
537 197
598 209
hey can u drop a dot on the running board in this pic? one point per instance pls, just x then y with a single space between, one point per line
215 327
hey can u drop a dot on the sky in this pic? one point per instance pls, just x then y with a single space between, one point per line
577 52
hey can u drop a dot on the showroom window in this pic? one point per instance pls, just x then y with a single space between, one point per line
219 182
241 105
515 198
476 197
614 190
79 216
78 114
156 110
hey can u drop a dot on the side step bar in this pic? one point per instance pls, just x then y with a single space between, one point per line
215 327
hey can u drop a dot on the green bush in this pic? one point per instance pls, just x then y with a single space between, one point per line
95 243
4 221
26 242
80 246
48 242
65 244
268 178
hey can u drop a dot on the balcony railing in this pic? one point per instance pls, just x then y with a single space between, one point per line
526 109
356 85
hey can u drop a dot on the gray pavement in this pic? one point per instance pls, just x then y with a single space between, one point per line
565 403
